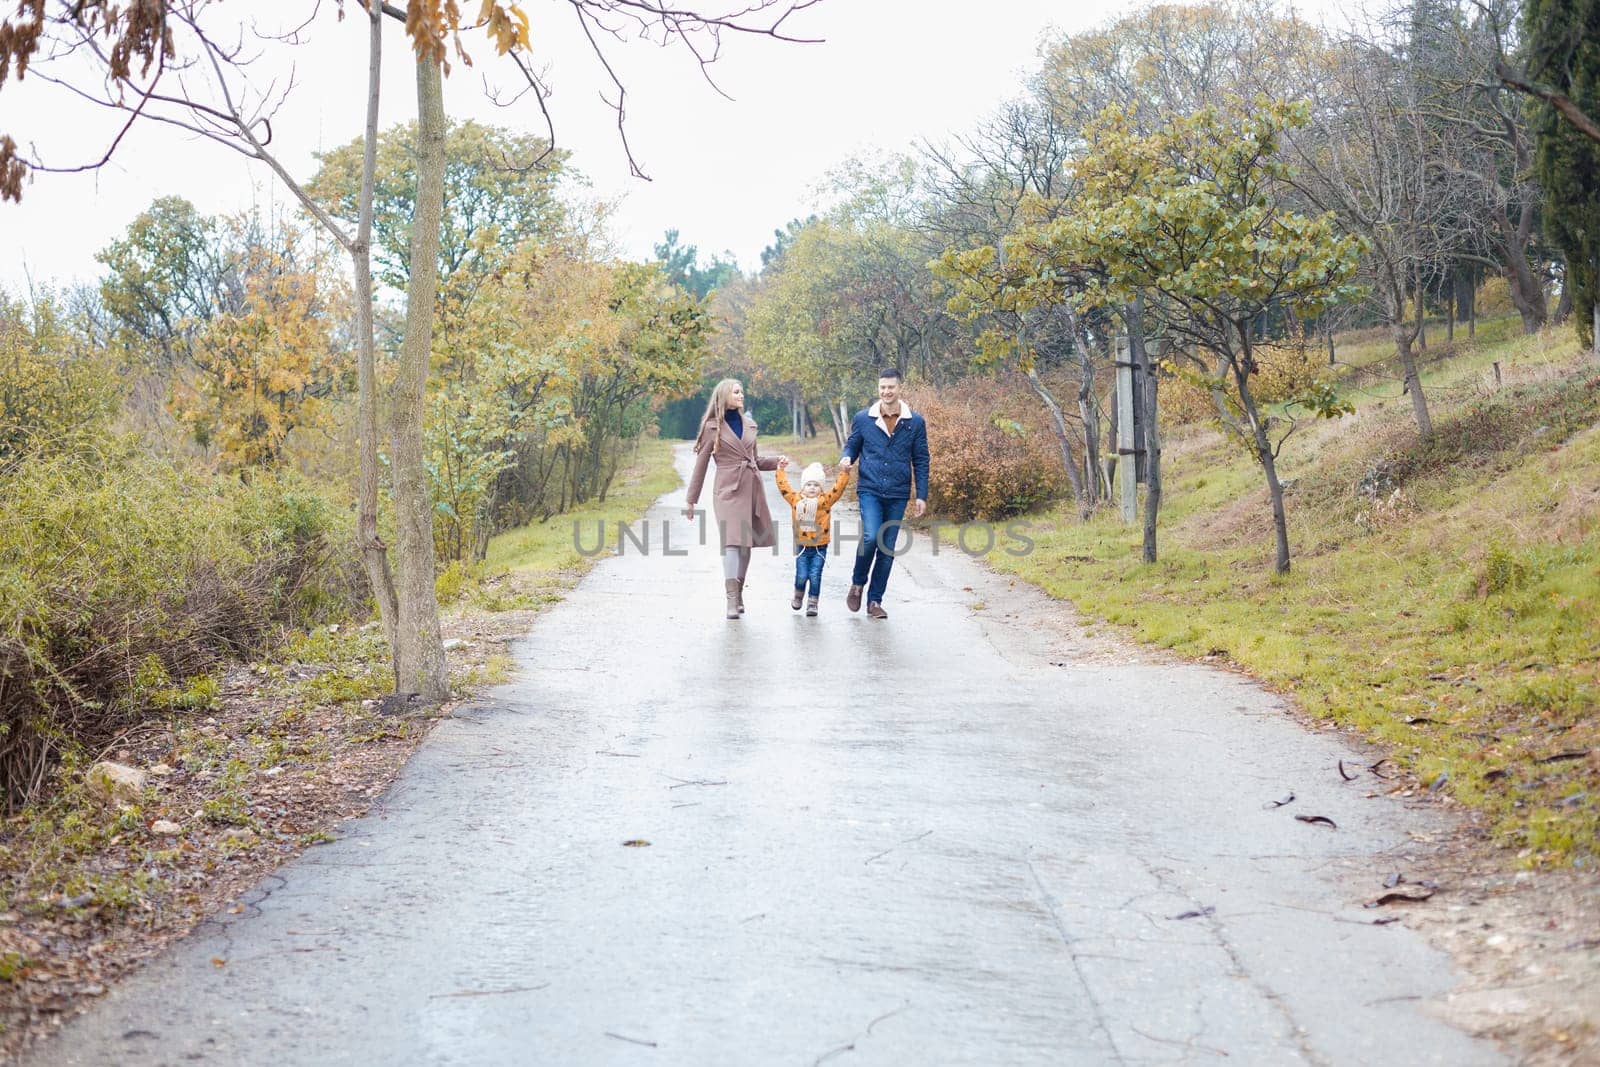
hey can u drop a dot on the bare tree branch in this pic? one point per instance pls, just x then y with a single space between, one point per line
1560 101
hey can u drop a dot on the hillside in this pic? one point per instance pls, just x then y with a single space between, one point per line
1444 599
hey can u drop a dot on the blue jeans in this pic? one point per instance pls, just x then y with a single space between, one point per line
880 532
808 563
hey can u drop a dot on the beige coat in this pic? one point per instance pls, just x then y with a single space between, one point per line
737 496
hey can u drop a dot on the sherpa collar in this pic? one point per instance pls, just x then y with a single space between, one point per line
905 414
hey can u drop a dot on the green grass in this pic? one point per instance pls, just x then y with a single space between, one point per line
1454 619
536 564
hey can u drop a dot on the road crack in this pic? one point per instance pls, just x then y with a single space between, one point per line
1067 940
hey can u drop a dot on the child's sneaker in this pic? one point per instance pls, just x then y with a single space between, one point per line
799 594
811 607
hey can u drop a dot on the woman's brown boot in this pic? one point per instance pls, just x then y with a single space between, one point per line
741 596
731 587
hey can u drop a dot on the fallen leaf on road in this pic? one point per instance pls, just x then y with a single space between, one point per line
637 842
218 961
1402 894
632 1040
1280 803
1197 914
1318 820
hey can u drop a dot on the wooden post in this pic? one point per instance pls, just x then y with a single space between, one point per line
1497 374
1472 313
1127 472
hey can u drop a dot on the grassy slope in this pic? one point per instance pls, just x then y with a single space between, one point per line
1463 595
543 557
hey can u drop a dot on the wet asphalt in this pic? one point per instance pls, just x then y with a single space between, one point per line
967 835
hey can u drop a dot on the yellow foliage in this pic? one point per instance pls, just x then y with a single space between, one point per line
1494 298
48 392
263 371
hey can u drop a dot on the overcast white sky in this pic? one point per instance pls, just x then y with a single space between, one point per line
726 173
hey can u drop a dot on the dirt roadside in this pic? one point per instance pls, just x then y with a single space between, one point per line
274 768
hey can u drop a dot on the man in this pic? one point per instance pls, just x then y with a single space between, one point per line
889 444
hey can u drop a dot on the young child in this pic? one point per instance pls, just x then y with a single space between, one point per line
811 524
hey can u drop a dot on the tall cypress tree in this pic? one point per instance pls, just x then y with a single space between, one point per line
1563 42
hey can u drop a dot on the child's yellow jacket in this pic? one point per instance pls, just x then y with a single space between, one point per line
825 502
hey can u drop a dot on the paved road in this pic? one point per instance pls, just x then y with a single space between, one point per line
960 836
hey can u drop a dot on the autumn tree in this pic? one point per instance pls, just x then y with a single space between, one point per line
1011 171
167 276
1366 159
264 368
500 188
1198 214
135 60
1478 142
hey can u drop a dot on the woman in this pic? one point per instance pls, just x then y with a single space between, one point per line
728 435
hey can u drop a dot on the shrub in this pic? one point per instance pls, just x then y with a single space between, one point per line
124 582
49 396
1284 370
1494 298
994 451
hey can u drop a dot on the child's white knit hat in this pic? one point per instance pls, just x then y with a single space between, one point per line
813 473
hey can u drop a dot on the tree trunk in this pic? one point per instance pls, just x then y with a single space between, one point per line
1472 305
1146 367
1109 465
1527 291
421 663
1465 295
1063 442
1565 305
1422 322
374 553
1088 414
1263 446
1403 333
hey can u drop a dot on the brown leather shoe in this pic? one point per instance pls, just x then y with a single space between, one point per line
741 596
811 607
730 586
875 611
799 598
852 599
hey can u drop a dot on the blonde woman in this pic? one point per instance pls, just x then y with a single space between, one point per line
728 435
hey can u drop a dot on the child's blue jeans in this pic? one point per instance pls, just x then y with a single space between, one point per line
808 563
